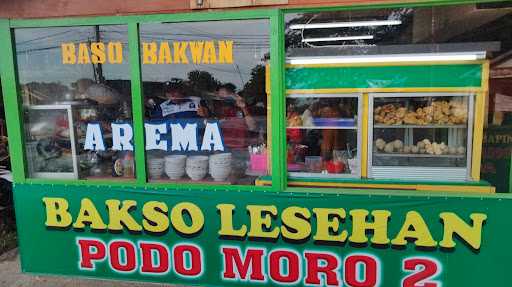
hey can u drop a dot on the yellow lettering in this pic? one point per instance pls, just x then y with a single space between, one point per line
225 52
98 53
83 54
115 52
196 218
328 220
89 214
180 52
296 224
149 53
68 53
360 226
155 216
121 214
164 55
196 49
226 222
470 234
57 214
261 221
210 55
414 227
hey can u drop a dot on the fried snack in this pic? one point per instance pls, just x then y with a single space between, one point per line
389 148
380 144
438 112
294 120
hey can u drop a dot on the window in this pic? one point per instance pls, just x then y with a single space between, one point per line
205 101
322 135
421 135
75 84
423 101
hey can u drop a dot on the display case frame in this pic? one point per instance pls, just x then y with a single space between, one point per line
417 172
275 114
451 77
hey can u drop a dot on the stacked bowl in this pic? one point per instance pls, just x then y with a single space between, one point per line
220 166
175 166
197 167
156 168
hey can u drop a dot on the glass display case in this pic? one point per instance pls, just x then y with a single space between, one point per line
323 135
55 136
420 136
50 142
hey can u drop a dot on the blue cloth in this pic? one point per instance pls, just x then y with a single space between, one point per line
185 109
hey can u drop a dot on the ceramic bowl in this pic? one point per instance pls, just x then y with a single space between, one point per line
196 174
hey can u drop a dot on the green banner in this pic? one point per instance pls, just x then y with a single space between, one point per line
441 76
220 238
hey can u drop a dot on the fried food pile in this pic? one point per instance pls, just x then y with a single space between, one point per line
422 147
452 112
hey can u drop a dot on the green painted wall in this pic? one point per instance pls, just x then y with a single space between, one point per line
439 76
55 251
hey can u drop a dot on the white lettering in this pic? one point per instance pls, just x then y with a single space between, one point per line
212 137
94 138
153 136
122 136
184 139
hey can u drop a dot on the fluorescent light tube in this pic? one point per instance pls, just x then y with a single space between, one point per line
345 24
393 58
346 38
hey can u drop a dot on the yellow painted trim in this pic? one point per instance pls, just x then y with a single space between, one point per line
416 187
478 131
385 90
267 78
381 64
440 188
259 182
364 135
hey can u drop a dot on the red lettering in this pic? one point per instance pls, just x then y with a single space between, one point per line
196 261
424 270
252 262
314 268
352 276
130 257
91 250
148 263
292 261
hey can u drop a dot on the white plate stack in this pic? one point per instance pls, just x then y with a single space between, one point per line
220 166
175 166
156 168
197 167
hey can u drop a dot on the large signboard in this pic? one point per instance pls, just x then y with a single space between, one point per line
264 239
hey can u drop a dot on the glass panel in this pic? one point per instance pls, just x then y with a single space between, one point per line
206 105
424 131
478 27
322 135
75 84
446 32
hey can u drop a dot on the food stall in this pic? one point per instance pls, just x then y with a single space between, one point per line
408 126
272 143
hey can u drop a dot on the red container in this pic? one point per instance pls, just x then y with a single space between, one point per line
335 167
294 135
